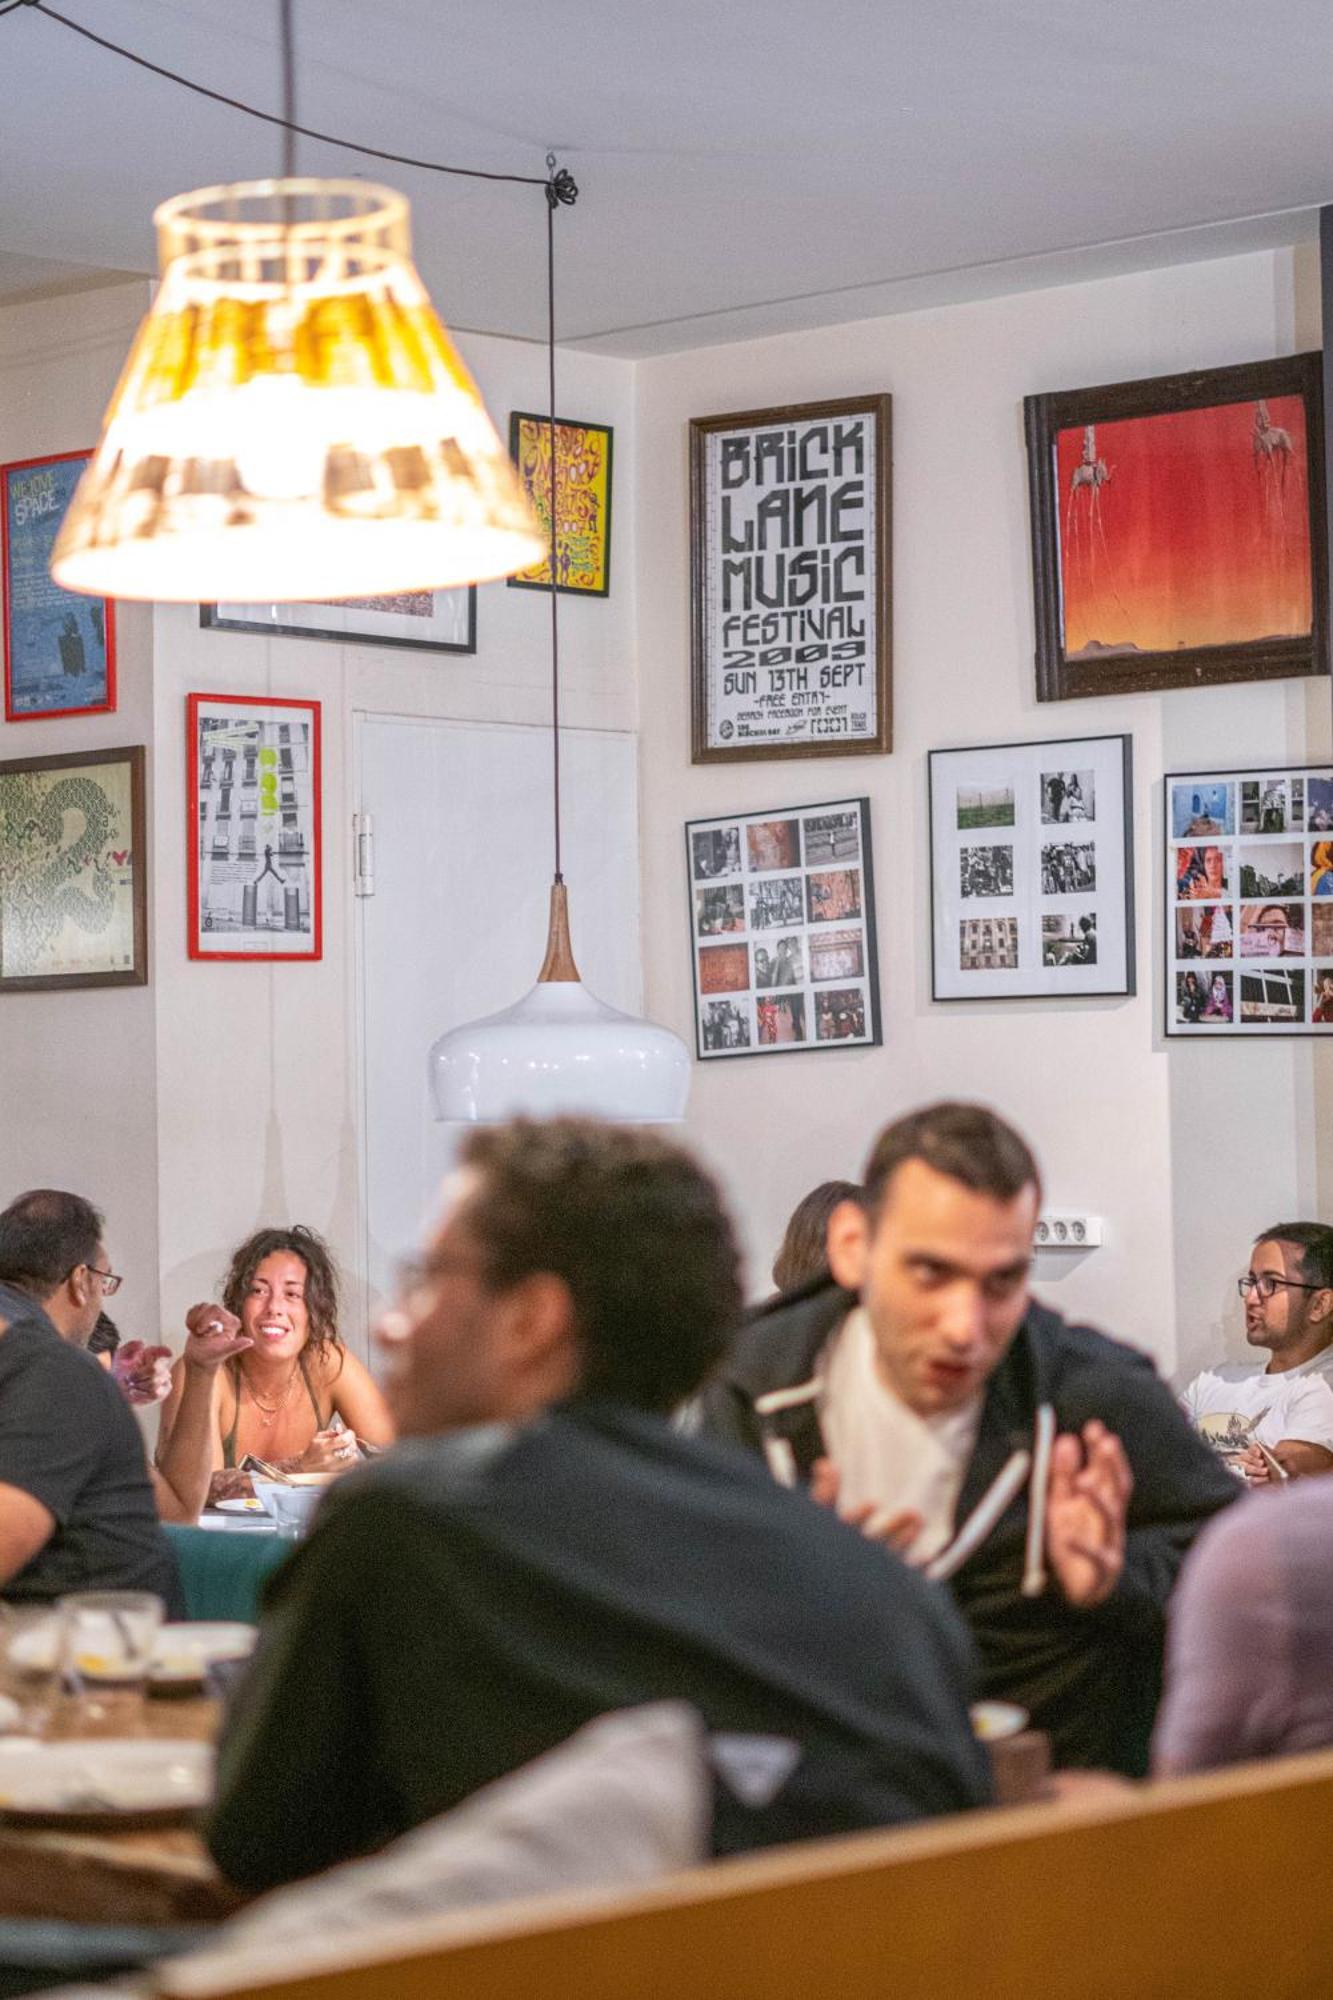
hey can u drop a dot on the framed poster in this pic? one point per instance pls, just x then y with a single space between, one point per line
60 648
789 574
1249 902
1032 869
253 837
782 930
1178 530
73 871
582 500
436 621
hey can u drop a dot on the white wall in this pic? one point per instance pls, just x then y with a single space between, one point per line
1185 1149
78 1087
259 1113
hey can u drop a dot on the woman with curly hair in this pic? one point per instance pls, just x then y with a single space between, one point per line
286 1376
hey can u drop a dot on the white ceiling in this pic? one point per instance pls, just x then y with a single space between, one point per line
745 166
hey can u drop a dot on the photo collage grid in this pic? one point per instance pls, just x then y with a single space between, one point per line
1029 875
1250 901
783 930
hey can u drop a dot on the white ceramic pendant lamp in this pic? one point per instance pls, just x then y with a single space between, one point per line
559 1050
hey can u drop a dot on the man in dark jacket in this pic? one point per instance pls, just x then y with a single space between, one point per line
1042 1469
546 1546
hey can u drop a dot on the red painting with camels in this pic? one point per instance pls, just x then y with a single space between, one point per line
1190 528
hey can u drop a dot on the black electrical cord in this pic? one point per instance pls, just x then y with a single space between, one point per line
286 123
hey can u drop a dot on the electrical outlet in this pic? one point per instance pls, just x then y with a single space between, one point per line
1067 1229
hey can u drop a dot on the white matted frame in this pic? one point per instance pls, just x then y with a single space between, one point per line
1032 870
1248 875
782 930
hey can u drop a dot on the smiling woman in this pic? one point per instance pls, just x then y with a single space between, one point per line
287 1391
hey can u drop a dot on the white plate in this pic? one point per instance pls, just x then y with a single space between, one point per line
239 1506
993 1719
111 1778
181 1653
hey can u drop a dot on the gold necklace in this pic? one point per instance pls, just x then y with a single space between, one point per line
268 1411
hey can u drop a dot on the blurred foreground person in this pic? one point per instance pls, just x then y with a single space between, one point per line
1249 1662
547 1546
1039 1468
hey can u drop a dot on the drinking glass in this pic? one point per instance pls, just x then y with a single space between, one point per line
32 1649
109 1638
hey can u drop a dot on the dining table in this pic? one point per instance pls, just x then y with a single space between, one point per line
136 1874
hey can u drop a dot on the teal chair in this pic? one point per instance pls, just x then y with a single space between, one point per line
222 1574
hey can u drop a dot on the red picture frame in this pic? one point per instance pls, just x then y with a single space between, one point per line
86 626
250 774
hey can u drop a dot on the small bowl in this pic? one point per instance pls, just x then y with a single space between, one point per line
290 1506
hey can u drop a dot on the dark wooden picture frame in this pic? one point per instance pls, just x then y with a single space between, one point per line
132 757
376 626
583 545
1245 497
813 649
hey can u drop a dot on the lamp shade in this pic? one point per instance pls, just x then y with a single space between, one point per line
560 1051
293 420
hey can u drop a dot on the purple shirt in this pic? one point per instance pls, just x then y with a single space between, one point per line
1249 1662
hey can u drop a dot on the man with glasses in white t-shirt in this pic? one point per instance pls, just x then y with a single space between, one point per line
1275 1422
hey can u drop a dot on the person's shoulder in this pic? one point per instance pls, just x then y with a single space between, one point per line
422 1474
1225 1375
779 1342
1070 1348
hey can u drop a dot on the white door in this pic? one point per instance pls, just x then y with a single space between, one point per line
456 924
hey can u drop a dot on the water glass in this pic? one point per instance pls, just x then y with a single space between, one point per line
32 1650
109 1637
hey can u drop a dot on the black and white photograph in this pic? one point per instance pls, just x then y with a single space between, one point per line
1068 868
784 955
720 910
716 852
832 837
986 871
1048 910
790 553
1253 901
780 964
1069 940
777 902
1067 796
724 1027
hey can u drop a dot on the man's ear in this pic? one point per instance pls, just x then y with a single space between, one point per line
78 1285
1321 1303
848 1244
540 1330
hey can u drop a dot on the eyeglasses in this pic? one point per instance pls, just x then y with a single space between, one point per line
111 1283
1263 1284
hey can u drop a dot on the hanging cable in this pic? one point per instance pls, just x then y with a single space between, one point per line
286 122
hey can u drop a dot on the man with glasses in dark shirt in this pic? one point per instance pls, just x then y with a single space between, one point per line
1275 1422
76 1503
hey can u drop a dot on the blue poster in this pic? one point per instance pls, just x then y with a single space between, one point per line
59 648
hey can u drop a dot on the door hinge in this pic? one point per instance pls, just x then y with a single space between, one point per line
363 854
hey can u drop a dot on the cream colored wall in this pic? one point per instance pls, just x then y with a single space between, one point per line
1184 1149
78 1085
